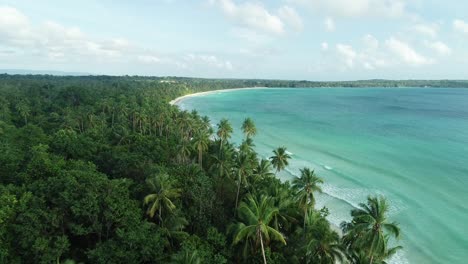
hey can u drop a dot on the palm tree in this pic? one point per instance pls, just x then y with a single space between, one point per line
256 216
263 169
323 244
186 257
248 127
280 158
200 141
306 185
369 231
247 146
243 170
224 131
24 110
206 122
283 200
183 150
222 162
161 196
221 166
172 228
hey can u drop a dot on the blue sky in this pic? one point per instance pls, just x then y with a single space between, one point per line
276 39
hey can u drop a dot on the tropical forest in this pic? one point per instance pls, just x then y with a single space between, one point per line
100 169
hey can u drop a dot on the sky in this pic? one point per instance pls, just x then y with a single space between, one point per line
276 39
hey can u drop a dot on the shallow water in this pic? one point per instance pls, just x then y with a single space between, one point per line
409 144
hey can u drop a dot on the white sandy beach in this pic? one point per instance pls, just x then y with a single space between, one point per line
179 99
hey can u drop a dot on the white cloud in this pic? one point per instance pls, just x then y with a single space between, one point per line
208 60
370 42
148 59
406 53
251 15
429 30
356 8
324 46
347 53
50 42
290 17
460 26
439 47
329 24
372 55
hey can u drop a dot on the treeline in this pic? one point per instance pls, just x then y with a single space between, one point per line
103 170
201 84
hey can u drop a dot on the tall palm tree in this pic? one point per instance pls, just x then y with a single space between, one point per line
200 141
283 200
247 146
256 216
263 169
243 170
161 197
224 131
369 230
322 243
183 150
222 166
248 127
280 159
186 257
172 228
222 162
305 186
206 121
23 110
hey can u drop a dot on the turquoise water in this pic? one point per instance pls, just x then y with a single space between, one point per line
409 144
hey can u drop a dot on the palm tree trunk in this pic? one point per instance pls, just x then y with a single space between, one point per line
160 216
263 250
238 190
305 219
200 157
371 259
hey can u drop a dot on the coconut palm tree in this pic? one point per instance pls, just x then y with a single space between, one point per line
283 200
222 162
183 150
256 215
206 122
161 197
172 228
24 110
322 244
224 131
305 187
243 170
263 169
369 230
200 141
280 159
186 257
248 127
247 146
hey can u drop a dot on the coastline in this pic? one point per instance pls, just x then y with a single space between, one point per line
180 98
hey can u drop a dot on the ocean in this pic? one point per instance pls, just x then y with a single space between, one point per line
408 144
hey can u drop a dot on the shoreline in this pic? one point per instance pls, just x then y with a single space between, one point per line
183 97
179 99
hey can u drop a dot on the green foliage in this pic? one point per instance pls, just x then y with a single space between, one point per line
368 234
100 169
280 158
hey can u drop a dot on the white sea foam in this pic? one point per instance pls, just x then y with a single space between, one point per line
399 258
289 153
327 167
